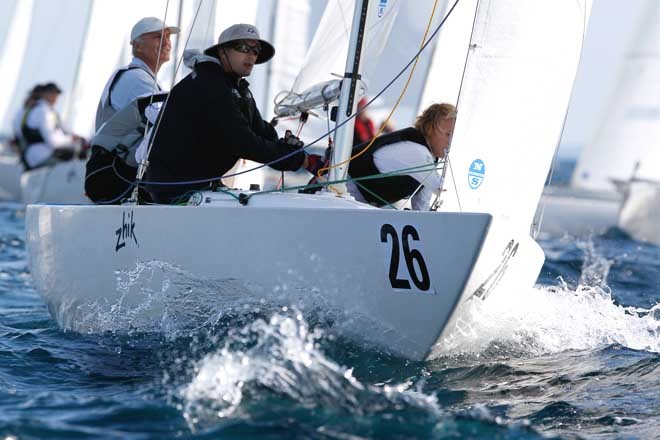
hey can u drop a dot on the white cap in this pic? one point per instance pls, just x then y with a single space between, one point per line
150 24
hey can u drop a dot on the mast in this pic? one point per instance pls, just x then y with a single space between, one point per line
347 102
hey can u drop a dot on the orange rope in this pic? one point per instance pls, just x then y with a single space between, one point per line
398 101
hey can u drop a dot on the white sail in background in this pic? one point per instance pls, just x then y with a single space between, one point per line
15 27
288 30
51 52
7 10
107 47
631 126
327 52
195 18
517 70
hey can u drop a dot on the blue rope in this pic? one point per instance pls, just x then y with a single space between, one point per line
302 149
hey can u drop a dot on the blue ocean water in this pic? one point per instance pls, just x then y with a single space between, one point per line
576 357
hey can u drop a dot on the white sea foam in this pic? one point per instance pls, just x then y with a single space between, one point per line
157 296
282 356
549 319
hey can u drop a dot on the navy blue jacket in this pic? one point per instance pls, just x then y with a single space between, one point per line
209 122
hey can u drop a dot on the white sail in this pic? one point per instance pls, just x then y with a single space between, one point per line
631 126
107 47
388 59
449 54
15 28
7 10
51 52
515 93
288 30
327 53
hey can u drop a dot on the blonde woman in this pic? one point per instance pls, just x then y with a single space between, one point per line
417 146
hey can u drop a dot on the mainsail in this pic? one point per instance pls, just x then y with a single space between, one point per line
327 53
512 104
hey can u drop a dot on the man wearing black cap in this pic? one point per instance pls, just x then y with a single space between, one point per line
45 142
211 120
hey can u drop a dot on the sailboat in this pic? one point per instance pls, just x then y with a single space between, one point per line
624 142
30 57
638 133
51 41
392 279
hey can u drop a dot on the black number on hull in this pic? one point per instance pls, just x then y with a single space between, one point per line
413 255
394 260
410 255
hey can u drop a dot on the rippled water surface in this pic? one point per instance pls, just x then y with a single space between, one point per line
575 357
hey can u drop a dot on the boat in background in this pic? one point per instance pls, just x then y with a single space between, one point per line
610 185
639 215
10 172
397 280
61 183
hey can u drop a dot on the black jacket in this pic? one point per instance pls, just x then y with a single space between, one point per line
209 122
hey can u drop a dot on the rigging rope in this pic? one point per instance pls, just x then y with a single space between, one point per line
349 119
396 104
145 162
137 183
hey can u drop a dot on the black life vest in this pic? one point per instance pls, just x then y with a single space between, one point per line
118 75
389 189
29 136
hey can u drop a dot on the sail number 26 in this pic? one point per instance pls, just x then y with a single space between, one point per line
411 256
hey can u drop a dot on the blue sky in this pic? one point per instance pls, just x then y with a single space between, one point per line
611 30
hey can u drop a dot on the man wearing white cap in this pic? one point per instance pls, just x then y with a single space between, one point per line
150 39
211 121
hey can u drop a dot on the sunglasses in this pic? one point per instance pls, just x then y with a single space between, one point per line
246 48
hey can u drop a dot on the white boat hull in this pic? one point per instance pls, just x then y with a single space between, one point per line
577 212
62 183
315 252
10 178
640 212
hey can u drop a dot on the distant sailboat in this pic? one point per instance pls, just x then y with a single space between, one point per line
58 46
625 141
640 212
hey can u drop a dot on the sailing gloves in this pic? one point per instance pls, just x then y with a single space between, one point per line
292 140
315 163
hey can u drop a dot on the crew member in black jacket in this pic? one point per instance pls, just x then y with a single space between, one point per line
211 121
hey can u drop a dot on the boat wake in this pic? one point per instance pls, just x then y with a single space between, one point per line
551 319
159 297
280 358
